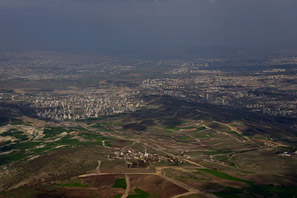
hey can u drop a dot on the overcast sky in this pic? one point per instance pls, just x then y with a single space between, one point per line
147 25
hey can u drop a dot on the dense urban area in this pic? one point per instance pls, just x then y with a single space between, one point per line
266 86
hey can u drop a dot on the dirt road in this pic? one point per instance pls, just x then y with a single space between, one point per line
127 187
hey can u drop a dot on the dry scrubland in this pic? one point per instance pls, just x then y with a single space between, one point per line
189 151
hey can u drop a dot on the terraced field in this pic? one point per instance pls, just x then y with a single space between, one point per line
190 155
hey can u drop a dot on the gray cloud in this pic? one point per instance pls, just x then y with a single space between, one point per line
147 25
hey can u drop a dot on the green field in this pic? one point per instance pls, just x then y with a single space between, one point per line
120 183
236 134
21 122
224 176
261 191
184 138
15 156
17 134
189 127
19 152
53 131
93 136
78 128
140 194
172 129
23 149
201 128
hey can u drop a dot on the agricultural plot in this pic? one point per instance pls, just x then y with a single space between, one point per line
213 157
120 183
225 176
28 144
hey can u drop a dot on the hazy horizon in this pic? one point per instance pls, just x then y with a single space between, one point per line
148 26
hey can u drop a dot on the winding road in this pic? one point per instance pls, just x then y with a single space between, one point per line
159 170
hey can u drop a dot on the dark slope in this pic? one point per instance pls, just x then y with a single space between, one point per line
170 111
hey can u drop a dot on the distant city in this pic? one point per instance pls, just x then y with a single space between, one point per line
268 85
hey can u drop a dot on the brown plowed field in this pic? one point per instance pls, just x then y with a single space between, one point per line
101 186
154 184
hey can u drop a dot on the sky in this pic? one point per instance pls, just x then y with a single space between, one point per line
148 26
